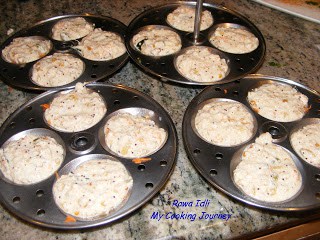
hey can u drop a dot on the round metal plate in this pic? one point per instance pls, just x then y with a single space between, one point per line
163 67
35 203
20 75
216 163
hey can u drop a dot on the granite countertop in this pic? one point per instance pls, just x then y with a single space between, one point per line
293 48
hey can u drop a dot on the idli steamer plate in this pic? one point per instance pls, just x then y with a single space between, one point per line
216 163
34 203
163 67
20 75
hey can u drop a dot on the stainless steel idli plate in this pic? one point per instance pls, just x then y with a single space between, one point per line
163 68
216 163
19 76
34 203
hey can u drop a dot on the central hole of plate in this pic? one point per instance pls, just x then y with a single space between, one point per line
201 38
277 130
64 46
81 141
274 131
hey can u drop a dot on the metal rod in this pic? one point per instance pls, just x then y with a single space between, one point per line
197 21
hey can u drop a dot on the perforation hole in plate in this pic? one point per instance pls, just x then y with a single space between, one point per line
41 212
93 75
32 121
111 66
235 93
12 125
318 195
116 102
135 97
16 200
213 172
317 177
219 156
163 163
141 167
196 151
149 185
39 193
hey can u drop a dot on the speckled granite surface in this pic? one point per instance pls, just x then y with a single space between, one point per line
292 52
